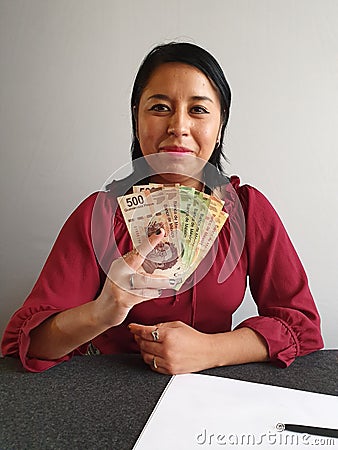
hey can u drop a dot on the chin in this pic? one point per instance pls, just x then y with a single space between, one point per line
172 178
176 168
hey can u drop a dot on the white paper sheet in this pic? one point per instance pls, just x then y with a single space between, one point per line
207 412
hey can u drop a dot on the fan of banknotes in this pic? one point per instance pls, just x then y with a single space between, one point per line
191 220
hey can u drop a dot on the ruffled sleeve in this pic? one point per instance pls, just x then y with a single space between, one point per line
70 277
288 318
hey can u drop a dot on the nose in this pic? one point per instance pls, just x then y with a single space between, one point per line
179 124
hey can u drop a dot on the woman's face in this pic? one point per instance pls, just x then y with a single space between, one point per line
179 116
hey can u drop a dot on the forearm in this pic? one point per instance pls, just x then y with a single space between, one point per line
237 347
69 329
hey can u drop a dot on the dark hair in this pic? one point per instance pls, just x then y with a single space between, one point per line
192 55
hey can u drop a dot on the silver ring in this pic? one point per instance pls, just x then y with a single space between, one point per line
154 363
131 281
155 334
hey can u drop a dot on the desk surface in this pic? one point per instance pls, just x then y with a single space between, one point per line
103 402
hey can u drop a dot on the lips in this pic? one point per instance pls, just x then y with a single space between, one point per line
175 149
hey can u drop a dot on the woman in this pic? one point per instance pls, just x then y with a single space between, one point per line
180 107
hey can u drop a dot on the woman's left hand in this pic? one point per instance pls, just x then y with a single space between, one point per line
173 347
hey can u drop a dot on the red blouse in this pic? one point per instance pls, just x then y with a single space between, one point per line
95 234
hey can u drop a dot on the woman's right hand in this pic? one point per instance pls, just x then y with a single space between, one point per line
67 330
125 287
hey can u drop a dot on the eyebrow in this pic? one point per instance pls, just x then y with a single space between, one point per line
166 97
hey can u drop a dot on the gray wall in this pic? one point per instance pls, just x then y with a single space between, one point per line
66 71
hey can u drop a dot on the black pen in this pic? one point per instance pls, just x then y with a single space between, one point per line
318 431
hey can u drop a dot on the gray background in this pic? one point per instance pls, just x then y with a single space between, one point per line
66 72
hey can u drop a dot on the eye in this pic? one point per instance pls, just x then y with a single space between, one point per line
159 107
199 110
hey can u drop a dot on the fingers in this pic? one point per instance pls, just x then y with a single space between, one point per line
150 333
155 362
146 293
123 272
149 341
136 257
152 340
141 281
133 261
